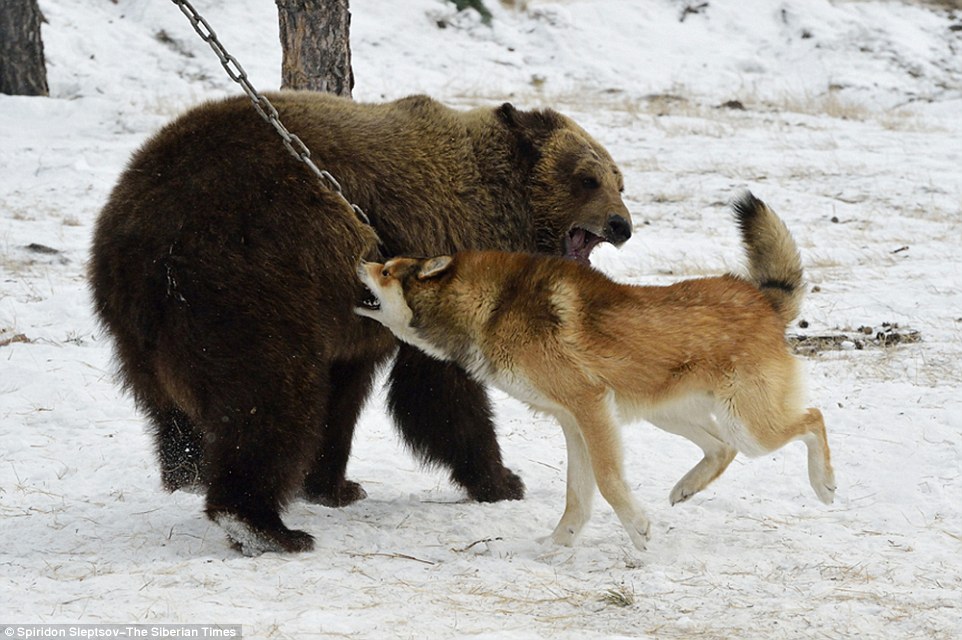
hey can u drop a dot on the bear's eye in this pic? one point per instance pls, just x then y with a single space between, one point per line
590 183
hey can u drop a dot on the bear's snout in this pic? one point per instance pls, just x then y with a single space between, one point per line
617 229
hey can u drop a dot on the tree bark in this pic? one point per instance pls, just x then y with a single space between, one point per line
23 71
315 37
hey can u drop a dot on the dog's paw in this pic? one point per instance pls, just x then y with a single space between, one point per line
639 530
823 482
562 536
681 492
825 493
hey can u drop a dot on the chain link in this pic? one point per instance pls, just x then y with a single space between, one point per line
262 105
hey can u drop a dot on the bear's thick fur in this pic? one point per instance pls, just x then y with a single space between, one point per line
225 273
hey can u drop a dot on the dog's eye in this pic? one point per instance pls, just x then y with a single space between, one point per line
385 273
590 183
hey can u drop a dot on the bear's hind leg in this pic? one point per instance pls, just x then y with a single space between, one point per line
179 448
256 462
325 483
262 429
446 418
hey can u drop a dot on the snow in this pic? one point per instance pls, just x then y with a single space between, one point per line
850 130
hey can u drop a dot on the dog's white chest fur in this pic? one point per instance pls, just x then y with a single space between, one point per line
514 384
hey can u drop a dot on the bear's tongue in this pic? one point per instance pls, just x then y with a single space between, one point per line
579 244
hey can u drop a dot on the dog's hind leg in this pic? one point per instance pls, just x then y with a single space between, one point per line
600 432
580 489
696 423
765 419
820 472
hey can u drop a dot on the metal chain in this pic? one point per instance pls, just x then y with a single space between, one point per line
262 105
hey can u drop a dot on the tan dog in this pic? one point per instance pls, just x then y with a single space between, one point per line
705 359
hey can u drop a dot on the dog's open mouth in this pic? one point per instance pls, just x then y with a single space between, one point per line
370 301
579 244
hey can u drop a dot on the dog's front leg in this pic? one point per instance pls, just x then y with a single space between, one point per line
580 489
602 436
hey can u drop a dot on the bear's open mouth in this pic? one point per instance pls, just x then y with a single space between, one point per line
579 243
370 301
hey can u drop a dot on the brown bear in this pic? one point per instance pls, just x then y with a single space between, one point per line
225 272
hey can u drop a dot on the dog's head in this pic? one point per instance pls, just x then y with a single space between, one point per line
399 291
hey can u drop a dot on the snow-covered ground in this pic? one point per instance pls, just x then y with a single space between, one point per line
850 126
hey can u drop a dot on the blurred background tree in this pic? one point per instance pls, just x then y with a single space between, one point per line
23 71
315 37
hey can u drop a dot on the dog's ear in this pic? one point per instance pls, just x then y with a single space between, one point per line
434 267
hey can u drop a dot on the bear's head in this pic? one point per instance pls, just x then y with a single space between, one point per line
575 186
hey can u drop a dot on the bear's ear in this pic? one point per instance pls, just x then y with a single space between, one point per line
507 114
434 267
531 126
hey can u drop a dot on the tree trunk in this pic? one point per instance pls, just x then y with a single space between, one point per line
315 36
22 68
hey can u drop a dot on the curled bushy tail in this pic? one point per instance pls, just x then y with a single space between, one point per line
774 265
